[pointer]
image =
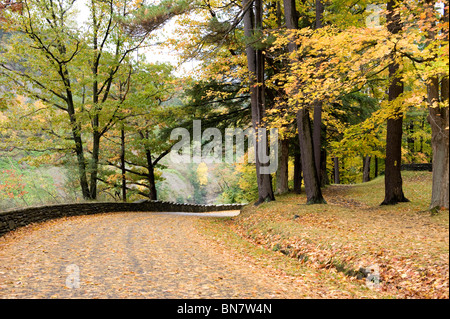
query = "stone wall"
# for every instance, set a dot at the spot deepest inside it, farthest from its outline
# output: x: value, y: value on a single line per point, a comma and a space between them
x: 12, y: 219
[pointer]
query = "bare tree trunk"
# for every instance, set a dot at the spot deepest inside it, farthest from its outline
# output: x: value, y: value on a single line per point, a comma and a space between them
x: 151, y: 176
x: 439, y: 121
x: 79, y: 151
x: 410, y: 140
x: 94, y: 163
x: 95, y: 99
x: 282, y: 172
x: 318, y: 127
x: 297, y: 172
x: 438, y: 118
x: 317, y: 136
x: 376, y: 167
x: 122, y: 164
x: 319, y: 14
x: 366, y: 169
x: 312, y: 183
x: 336, y: 171
x: 76, y: 134
x: 324, y: 179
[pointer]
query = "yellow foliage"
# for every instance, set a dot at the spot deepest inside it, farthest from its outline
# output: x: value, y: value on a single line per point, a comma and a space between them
x: 202, y: 173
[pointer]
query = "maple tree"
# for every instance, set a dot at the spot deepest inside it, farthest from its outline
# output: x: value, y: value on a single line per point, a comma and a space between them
x: 309, y: 164
x: 350, y: 58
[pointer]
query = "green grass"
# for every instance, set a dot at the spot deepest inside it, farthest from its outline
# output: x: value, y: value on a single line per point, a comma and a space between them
x: 407, y: 242
x: 416, y: 187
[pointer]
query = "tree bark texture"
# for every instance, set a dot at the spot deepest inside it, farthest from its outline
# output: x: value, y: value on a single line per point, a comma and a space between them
x: 438, y: 117
x: 439, y: 121
x: 317, y: 126
x: 393, y: 190
x: 255, y: 61
x: 282, y: 171
x: 122, y: 164
x: 337, y: 179
x: 366, y: 169
x: 312, y: 183
x: 151, y: 176
x: 297, y: 173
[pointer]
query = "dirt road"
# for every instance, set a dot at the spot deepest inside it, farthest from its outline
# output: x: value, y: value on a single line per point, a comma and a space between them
x: 127, y: 255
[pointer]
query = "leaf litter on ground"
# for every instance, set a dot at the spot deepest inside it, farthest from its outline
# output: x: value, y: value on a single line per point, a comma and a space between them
x: 406, y: 244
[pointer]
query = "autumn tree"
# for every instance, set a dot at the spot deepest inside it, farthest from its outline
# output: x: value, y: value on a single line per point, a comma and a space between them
x: 135, y: 147
x: 74, y: 70
x: 393, y: 178
x: 310, y: 174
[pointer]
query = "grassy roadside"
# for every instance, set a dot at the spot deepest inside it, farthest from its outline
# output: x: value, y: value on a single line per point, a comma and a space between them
x: 343, y: 240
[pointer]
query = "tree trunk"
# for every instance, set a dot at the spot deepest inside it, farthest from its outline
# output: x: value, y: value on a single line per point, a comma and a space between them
x: 366, y: 169
x: 376, y: 167
x: 392, y: 176
x: 76, y: 134
x: 422, y: 125
x: 410, y: 140
x: 336, y: 171
x: 318, y: 127
x: 151, y: 176
x: 94, y: 162
x: 439, y: 121
x: 255, y: 62
x: 81, y: 162
x: 282, y: 172
x: 122, y: 165
x: 317, y: 137
x: 95, y: 119
x: 312, y: 183
x: 438, y: 118
x: 297, y: 173
x: 393, y: 191
x: 319, y: 14
x: 324, y: 179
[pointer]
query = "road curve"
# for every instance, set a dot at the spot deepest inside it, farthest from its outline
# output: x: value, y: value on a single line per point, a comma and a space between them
x: 126, y: 255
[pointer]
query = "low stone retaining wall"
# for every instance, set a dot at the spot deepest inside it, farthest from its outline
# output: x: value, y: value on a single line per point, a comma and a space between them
x: 12, y: 219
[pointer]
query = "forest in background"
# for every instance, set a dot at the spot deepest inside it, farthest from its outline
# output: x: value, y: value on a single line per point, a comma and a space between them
x: 85, y: 116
